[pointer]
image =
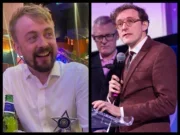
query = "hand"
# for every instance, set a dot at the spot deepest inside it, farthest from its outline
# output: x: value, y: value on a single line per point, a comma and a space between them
x: 114, y: 86
x: 106, y: 106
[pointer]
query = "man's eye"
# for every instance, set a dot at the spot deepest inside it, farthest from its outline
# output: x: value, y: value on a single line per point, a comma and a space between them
x: 120, y: 23
x: 32, y: 38
x: 99, y: 37
x: 109, y: 35
x: 130, y: 20
x: 49, y: 34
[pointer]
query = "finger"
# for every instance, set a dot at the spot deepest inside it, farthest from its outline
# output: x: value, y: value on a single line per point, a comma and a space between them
x: 121, y: 81
x: 113, y: 88
x: 114, y: 77
x: 115, y: 91
x: 114, y: 82
x: 94, y: 102
x: 97, y: 103
x: 101, y: 106
x: 104, y: 109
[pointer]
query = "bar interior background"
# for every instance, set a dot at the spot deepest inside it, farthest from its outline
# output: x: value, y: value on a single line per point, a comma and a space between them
x: 71, y: 29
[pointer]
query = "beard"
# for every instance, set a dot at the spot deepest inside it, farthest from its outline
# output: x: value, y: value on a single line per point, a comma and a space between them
x: 45, y: 66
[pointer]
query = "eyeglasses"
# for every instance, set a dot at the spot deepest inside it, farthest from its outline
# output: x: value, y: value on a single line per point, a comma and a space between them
x: 129, y: 22
x: 108, y: 37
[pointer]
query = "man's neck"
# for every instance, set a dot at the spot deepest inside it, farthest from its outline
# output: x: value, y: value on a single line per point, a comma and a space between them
x: 42, y: 76
x: 108, y: 57
x: 133, y: 45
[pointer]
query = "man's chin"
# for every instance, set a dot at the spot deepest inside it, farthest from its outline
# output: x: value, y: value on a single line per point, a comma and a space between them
x: 126, y: 41
x: 45, y: 66
x: 43, y: 69
x: 105, y: 54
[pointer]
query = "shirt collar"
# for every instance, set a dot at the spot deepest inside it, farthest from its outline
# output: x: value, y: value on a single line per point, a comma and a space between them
x: 56, y: 69
x: 138, y: 47
x: 54, y: 72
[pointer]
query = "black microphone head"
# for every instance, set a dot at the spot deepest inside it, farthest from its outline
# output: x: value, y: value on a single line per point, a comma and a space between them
x: 121, y: 57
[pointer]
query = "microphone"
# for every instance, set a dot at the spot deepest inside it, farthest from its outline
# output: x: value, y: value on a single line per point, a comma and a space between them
x: 119, y: 66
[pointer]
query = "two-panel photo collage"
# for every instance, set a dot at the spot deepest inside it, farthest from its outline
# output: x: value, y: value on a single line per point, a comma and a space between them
x: 90, y: 67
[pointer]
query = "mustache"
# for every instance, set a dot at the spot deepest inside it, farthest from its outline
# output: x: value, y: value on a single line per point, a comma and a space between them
x: 43, y: 49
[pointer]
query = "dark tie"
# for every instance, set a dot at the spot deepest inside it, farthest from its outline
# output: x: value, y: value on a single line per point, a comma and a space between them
x: 127, y: 63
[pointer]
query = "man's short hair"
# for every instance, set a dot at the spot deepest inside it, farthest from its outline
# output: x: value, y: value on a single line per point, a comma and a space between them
x: 31, y: 10
x: 141, y: 12
x: 103, y: 20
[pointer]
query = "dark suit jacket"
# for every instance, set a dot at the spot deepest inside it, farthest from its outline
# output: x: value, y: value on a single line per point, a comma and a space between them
x: 149, y: 90
x: 99, y: 83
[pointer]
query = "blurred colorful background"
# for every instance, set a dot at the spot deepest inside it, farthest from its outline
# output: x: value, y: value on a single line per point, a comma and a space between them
x: 71, y: 29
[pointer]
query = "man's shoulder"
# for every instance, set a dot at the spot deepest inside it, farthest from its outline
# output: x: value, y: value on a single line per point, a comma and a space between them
x: 155, y: 46
x: 160, y: 49
x: 95, y: 56
x: 72, y: 66
x: 14, y: 73
x: 158, y: 46
x: 18, y: 68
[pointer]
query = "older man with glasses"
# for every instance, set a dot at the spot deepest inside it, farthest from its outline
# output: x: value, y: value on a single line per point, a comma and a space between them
x: 105, y: 36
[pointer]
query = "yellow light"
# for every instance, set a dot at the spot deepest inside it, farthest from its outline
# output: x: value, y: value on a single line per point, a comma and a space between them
x: 87, y: 41
x: 76, y: 16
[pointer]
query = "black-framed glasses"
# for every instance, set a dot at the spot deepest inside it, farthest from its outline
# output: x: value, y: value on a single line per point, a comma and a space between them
x: 108, y: 37
x: 129, y: 22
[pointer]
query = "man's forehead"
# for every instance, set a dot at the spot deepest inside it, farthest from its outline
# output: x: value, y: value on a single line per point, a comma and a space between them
x: 103, y: 28
x: 128, y: 13
x: 31, y: 22
x: 27, y: 19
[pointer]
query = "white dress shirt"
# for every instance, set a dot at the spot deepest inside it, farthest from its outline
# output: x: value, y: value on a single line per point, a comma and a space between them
x: 36, y: 104
x: 137, y: 48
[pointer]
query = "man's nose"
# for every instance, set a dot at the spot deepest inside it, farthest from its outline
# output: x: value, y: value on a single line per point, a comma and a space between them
x: 42, y: 41
x: 104, y: 40
x: 124, y: 26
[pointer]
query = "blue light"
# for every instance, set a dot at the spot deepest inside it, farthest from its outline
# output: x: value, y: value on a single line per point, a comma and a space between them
x: 62, y: 59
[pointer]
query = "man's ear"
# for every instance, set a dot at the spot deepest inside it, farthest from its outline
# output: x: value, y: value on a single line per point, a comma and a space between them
x: 145, y: 25
x: 17, y: 48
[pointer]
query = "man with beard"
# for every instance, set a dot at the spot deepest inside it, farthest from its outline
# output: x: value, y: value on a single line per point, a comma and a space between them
x: 44, y: 90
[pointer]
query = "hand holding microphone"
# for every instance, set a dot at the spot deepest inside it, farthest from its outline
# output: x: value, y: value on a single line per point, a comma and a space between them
x: 114, y: 87
x: 117, y: 78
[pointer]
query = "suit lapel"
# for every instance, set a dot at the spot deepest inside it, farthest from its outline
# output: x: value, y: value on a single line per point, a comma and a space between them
x: 99, y: 70
x: 133, y: 66
x: 136, y: 61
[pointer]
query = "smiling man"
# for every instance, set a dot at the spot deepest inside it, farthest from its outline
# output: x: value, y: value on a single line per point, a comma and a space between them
x: 40, y: 87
